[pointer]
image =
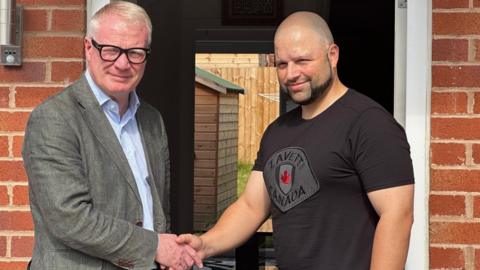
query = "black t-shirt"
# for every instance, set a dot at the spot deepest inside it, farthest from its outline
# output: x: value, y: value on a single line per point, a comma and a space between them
x: 318, y: 173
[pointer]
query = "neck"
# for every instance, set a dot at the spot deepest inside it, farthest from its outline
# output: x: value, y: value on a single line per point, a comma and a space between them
x: 122, y: 102
x: 323, y: 102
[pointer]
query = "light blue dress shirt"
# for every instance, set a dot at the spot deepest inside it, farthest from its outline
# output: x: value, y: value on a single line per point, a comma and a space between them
x: 126, y: 130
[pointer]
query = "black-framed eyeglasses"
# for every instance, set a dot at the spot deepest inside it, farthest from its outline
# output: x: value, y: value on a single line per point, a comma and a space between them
x: 111, y: 53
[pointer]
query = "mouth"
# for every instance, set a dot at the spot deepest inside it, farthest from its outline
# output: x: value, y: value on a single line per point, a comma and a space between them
x: 119, y: 77
x: 296, y: 87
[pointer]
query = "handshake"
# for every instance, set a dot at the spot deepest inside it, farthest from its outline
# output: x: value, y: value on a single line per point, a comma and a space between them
x: 179, y: 252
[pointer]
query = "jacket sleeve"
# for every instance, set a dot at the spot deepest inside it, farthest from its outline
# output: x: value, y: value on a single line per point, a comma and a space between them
x: 59, y: 191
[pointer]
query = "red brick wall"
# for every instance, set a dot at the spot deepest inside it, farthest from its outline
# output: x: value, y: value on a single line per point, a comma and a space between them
x: 455, y: 136
x: 53, y: 58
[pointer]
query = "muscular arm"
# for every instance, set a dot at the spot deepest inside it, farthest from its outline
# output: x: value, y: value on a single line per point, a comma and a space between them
x: 392, y: 235
x: 238, y: 222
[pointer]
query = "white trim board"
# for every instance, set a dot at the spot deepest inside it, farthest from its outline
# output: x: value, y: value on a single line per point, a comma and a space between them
x: 417, y: 122
x: 93, y: 6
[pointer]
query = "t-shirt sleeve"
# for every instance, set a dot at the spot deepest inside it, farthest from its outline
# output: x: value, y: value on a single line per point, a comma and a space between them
x: 380, y: 151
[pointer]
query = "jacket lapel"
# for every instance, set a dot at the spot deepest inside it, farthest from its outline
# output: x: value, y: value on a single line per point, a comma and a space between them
x: 147, y: 138
x: 103, y: 131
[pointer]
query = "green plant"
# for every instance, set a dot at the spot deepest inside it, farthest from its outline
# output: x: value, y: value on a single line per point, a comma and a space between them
x: 243, y: 171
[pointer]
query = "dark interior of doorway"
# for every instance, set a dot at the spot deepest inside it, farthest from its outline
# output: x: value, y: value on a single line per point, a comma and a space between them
x: 364, y: 31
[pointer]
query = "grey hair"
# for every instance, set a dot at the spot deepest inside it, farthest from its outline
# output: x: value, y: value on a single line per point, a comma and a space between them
x: 129, y: 11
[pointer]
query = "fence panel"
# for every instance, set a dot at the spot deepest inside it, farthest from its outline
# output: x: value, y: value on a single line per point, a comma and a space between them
x: 258, y: 107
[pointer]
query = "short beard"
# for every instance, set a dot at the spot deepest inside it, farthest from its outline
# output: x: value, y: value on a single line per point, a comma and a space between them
x: 317, y: 91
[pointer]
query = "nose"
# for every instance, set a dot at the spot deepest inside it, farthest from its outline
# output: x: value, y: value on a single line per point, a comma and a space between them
x: 292, y: 72
x: 122, y: 61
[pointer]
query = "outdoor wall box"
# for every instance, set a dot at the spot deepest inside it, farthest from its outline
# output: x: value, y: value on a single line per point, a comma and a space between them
x: 11, y: 25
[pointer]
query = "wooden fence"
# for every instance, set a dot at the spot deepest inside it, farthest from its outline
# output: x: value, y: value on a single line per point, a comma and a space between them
x: 258, y: 107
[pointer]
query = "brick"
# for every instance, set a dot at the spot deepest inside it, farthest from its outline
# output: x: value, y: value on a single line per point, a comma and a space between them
x: 455, y: 180
x: 459, y: 23
x: 3, y: 246
x: 455, y: 128
x: 14, y: 265
x: 477, y: 259
x: 12, y: 171
x: 476, y: 3
x: 13, y: 121
x: 3, y: 195
x: 449, y: 103
x: 447, y: 205
x: 22, y: 246
x: 455, y: 76
x: 20, y: 195
x: 449, y: 50
x: 476, y: 153
x: 449, y: 4
x: 17, y: 146
x: 4, y: 97
x: 16, y: 220
x: 476, y: 206
x: 35, y: 20
x: 446, y: 258
x: 35, y: 46
x: 68, y: 20
x: 477, y: 50
x: 66, y: 71
x: 29, y: 97
x: 476, y: 103
x: 3, y: 146
x: 454, y: 233
x: 28, y: 72
x: 447, y: 153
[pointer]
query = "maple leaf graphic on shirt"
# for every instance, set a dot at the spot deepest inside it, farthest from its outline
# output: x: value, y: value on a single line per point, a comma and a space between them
x: 286, y: 177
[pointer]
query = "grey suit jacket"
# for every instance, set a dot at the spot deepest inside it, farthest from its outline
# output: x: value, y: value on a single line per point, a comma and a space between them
x: 84, y: 201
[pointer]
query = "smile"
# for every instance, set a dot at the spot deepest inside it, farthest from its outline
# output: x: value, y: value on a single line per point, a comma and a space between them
x: 296, y: 87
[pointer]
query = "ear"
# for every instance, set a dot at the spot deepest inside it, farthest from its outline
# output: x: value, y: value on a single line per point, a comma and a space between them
x: 333, y: 54
x: 87, y: 44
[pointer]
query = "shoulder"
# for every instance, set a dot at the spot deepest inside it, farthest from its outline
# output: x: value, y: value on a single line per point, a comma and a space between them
x: 359, y: 102
x: 288, y: 117
x: 365, y: 111
x: 61, y: 103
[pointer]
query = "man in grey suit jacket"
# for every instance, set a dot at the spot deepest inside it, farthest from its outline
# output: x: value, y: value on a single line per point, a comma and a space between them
x: 97, y: 160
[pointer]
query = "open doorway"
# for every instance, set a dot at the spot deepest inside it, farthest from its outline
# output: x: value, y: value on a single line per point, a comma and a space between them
x: 229, y: 124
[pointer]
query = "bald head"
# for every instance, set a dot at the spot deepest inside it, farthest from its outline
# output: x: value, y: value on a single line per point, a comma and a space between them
x: 305, y: 23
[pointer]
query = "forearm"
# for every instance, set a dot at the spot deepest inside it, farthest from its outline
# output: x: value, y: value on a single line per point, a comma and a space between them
x: 390, y: 246
x: 233, y: 228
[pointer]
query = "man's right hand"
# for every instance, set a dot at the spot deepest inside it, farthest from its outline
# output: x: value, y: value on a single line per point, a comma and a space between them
x: 195, y: 242
x: 175, y: 255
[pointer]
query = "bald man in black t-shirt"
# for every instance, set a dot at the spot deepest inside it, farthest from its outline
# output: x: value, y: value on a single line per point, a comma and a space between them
x: 335, y: 174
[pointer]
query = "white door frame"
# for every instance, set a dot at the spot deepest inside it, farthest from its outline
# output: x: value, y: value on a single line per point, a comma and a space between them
x: 412, y: 109
x: 93, y: 6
